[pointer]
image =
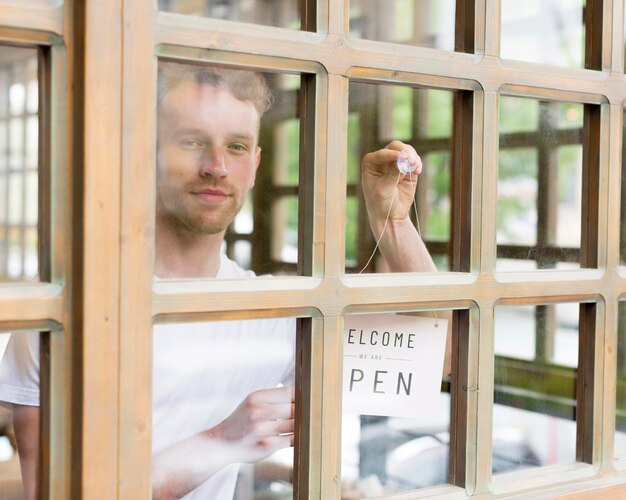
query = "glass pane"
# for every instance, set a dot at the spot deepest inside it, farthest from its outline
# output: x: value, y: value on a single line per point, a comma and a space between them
x: 19, y: 164
x: 281, y: 13
x: 19, y: 400
x: 227, y: 171
x: 403, y: 444
x: 535, y: 375
x: 420, y: 118
x: 222, y: 396
x: 428, y: 23
x: 620, y: 404
x: 539, y: 184
x: 543, y: 31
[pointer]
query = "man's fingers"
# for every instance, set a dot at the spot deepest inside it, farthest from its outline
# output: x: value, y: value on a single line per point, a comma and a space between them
x: 276, y: 395
x: 276, y: 442
x: 285, y: 426
x: 382, y: 159
x: 273, y: 428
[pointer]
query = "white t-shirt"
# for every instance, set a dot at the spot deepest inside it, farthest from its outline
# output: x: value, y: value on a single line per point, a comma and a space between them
x: 201, y: 372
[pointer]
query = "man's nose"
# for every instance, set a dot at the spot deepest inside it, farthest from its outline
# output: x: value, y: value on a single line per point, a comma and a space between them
x: 213, y: 163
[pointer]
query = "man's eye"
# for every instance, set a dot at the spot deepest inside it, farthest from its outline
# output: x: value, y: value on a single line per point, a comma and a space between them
x: 190, y: 144
x: 238, y: 147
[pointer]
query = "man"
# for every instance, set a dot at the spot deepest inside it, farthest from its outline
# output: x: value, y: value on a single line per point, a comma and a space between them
x: 210, y: 416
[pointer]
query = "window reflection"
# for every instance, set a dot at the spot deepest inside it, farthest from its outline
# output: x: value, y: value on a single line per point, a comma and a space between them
x: 223, y: 396
x: 401, y: 447
x: 543, y: 31
x: 539, y: 184
x: 421, y: 118
x: 227, y: 171
x: 19, y: 409
x: 428, y: 23
x: 536, y: 351
x: 19, y: 163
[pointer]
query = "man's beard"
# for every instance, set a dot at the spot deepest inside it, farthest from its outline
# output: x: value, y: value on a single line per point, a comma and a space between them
x: 182, y: 218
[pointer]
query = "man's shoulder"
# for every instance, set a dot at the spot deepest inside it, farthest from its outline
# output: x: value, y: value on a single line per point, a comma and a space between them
x: 230, y: 269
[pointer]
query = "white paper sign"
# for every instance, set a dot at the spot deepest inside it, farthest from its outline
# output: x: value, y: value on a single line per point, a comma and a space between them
x: 392, y: 365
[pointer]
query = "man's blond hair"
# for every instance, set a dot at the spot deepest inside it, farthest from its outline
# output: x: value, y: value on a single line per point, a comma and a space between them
x: 245, y: 85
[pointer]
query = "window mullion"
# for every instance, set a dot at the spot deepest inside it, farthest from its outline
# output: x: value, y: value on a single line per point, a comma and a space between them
x: 487, y: 37
x: 96, y: 234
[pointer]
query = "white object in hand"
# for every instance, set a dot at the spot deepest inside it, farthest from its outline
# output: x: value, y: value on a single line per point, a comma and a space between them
x: 403, y: 164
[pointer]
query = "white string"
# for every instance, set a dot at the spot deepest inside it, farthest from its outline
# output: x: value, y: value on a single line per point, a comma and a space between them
x: 417, y: 223
x: 393, y: 197
x: 419, y: 231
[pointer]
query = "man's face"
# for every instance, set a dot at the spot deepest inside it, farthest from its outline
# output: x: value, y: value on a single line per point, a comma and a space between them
x: 207, y: 157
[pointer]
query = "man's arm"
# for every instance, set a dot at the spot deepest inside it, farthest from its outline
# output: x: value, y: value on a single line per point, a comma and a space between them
x: 262, y: 424
x: 26, y: 425
x: 400, y: 244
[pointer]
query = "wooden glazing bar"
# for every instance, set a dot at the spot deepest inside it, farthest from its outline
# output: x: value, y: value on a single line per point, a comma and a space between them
x: 609, y: 375
x: 396, y: 77
x: 338, y: 16
x: 608, y: 166
x: 309, y: 369
x: 30, y: 302
x: 44, y: 184
x: 368, y: 120
x: 465, y: 25
x: 331, y: 414
x: 552, y: 95
x: 586, y: 387
x: 138, y: 178
x: 543, y: 479
x: 45, y: 422
x: 331, y: 295
x: 334, y: 165
x: 461, y: 182
x: 593, y: 21
x: 56, y: 143
x: 614, y: 186
x: 306, y: 189
x: 481, y: 444
x: 489, y: 176
x: 590, y: 188
x: 459, y: 396
x: 309, y: 12
x: 264, y: 224
x: 28, y: 37
x: 478, y: 131
x: 489, y: 23
x: 32, y: 17
x: 95, y: 265
x: 338, y: 55
x: 56, y: 423
x: 613, y: 35
x: 177, y: 53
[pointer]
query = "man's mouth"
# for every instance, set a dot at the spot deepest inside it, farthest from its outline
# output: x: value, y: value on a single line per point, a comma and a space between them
x: 210, y: 195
